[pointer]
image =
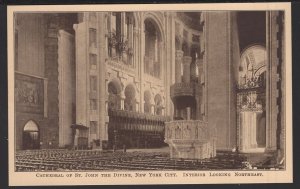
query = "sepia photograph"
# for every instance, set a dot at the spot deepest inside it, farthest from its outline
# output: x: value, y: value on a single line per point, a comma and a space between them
x: 186, y: 94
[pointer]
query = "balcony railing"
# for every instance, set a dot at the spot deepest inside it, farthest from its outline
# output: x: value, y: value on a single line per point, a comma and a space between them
x: 184, y: 89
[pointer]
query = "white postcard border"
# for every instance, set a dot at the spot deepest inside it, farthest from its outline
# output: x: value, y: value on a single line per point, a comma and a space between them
x: 35, y: 178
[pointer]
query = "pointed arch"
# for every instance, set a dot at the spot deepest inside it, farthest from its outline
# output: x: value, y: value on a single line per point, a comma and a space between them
x: 130, y: 99
x: 31, y: 138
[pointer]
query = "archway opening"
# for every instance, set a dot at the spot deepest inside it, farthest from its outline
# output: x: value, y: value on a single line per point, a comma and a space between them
x: 130, y: 101
x: 252, y: 100
x: 158, y: 104
x: 31, y: 138
x: 153, y: 43
x: 114, y: 99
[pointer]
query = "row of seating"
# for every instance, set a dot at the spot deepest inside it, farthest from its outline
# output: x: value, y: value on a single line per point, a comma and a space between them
x: 66, y: 160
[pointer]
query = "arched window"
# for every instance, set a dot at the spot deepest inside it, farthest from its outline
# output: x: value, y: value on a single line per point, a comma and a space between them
x: 114, y: 100
x: 252, y: 67
x: 147, y: 102
x: 152, y: 49
x: 120, y: 38
x: 130, y: 101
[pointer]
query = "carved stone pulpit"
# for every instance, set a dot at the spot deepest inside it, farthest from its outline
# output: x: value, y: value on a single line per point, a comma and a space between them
x: 190, y: 139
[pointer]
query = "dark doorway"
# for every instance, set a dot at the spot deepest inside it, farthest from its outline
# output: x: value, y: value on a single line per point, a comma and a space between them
x: 31, y: 138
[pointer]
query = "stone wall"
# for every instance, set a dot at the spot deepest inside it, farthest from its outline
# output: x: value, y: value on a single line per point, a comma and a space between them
x: 37, y: 58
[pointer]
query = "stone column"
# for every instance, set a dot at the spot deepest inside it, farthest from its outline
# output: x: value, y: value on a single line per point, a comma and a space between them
x: 178, y: 62
x: 188, y: 113
x: 187, y: 60
x: 131, y: 36
x: 272, y: 92
x: 253, y: 130
x: 135, y: 47
x: 241, y: 133
x: 103, y: 117
x: 248, y: 131
x: 131, y: 33
x: 199, y: 97
x: 122, y: 97
x: 123, y: 24
x: 152, y: 105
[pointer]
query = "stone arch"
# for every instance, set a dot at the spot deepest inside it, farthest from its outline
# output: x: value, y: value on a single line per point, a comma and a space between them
x: 247, y: 64
x: 130, y: 98
x: 31, y: 126
x: 153, y: 48
x: 158, y: 104
x: 116, y: 83
x: 252, y: 77
x: 114, y: 89
x: 152, y: 16
x: 252, y: 45
x: 31, y: 138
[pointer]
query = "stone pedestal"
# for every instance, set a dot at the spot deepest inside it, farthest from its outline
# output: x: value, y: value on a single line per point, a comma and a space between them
x: 190, y: 139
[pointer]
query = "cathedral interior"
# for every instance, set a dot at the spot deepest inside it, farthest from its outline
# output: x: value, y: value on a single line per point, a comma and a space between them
x: 197, y: 83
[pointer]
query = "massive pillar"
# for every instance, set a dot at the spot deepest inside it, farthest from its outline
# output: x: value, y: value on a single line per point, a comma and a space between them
x: 221, y: 59
x: 66, y: 86
x: 103, y: 117
x: 90, y: 76
x: 275, y: 103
